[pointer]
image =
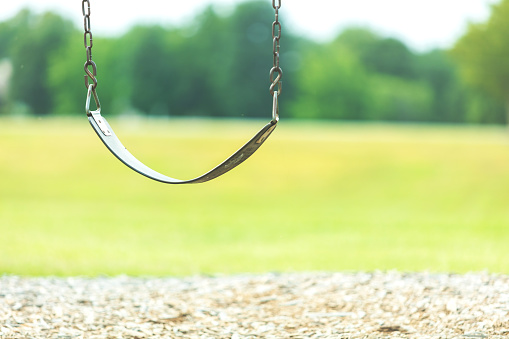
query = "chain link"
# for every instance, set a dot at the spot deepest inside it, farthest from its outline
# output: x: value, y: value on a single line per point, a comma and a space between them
x: 89, y: 43
x: 276, y: 73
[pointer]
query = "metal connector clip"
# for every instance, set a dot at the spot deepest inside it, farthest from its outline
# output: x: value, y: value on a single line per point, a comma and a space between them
x: 96, y: 115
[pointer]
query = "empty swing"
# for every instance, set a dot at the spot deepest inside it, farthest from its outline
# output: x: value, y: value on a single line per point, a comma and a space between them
x: 110, y: 140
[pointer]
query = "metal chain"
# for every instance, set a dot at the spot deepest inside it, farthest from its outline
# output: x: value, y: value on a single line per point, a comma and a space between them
x: 89, y: 43
x: 276, y: 36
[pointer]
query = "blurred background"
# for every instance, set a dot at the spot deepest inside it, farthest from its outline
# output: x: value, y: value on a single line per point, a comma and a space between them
x: 392, y: 155
x: 363, y: 61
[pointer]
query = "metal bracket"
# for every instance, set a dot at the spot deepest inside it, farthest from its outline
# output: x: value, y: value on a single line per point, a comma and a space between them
x: 275, y: 108
x: 96, y: 115
x: 100, y: 122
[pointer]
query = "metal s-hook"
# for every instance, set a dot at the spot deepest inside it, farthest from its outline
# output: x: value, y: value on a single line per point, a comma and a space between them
x: 276, y: 82
x: 92, y: 75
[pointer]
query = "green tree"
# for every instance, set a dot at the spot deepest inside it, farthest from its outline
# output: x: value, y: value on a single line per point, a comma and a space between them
x: 151, y: 69
x: 440, y: 72
x: 332, y: 85
x: 358, y: 39
x: 251, y: 59
x: 399, y: 99
x: 206, y: 48
x: 10, y: 31
x: 381, y: 55
x: 65, y: 74
x: 482, y: 54
x: 390, y: 56
x: 38, y: 39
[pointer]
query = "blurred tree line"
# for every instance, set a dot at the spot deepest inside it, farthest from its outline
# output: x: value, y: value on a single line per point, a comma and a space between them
x: 219, y: 65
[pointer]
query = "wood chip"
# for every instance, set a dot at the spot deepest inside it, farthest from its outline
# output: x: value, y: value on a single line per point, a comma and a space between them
x: 307, y: 305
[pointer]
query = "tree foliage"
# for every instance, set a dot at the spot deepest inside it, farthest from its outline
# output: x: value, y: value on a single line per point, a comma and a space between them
x: 218, y: 65
x: 37, y: 40
x: 482, y: 56
x: 332, y: 85
x: 364, y: 76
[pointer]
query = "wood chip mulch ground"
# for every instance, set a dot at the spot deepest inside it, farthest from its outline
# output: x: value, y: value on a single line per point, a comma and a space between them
x: 300, y: 305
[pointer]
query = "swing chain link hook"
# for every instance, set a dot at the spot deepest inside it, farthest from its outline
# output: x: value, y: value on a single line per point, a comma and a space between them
x: 276, y: 69
x: 89, y: 43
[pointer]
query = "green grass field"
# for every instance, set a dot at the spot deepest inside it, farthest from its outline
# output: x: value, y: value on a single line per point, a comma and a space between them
x: 317, y: 196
